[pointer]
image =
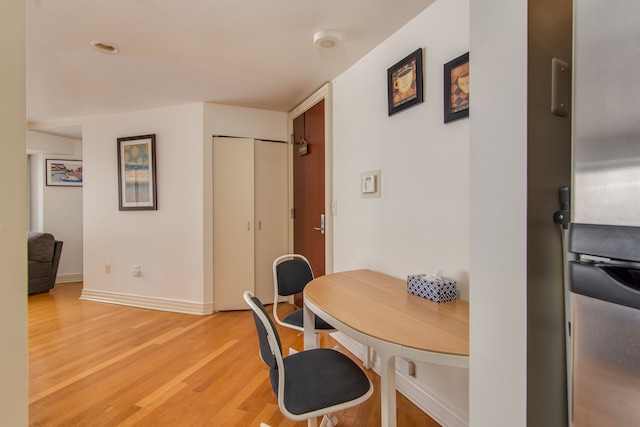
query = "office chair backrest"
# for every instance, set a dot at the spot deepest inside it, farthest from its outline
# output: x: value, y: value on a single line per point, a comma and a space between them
x: 267, y: 338
x: 292, y: 276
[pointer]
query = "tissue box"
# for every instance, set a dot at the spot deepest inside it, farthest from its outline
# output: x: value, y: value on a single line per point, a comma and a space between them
x: 436, y: 289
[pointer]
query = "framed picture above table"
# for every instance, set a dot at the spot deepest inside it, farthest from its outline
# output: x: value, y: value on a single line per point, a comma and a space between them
x: 456, y: 88
x: 404, y: 83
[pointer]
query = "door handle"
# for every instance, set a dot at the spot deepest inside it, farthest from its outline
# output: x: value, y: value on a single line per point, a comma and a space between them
x: 321, y: 228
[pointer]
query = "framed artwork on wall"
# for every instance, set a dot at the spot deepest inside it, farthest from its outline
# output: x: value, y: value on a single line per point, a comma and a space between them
x: 404, y: 83
x: 456, y: 88
x: 63, y: 172
x: 137, y: 189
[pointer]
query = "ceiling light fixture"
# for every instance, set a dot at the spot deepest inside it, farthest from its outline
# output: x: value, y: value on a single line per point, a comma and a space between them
x: 327, y: 39
x: 105, y: 47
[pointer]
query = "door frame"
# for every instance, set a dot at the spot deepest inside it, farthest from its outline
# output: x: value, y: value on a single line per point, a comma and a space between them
x: 323, y: 93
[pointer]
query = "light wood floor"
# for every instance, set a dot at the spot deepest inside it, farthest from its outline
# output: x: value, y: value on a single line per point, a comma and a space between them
x: 93, y: 364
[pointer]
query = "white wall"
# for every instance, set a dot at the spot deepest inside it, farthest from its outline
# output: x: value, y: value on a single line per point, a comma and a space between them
x: 420, y: 223
x: 167, y: 243
x: 41, y: 142
x: 56, y: 210
x: 173, y: 245
x: 498, y: 255
x: 36, y: 192
x: 13, y: 216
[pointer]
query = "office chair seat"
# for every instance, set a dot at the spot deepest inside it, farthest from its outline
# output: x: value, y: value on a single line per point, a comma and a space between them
x: 319, y: 379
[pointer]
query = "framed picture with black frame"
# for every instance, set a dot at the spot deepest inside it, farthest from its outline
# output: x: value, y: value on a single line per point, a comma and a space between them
x: 456, y: 88
x: 404, y: 83
x: 137, y: 189
x: 63, y: 172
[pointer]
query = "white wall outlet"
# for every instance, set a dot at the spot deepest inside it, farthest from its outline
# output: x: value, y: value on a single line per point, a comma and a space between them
x: 107, y: 268
x: 136, y: 271
x: 412, y: 369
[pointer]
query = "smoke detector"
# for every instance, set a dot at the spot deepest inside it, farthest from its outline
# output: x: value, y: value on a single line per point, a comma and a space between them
x: 327, y: 39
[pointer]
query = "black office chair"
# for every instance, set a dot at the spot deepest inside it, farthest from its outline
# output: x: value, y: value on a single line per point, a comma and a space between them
x: 310, y: 383
x: 291, y: 273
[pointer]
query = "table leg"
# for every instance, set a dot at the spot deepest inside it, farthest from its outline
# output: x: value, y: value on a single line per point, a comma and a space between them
x: 311, y: 339
x: 387, y: 388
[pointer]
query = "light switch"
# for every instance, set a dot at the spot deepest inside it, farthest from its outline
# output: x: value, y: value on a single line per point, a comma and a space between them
x: 370, y: 184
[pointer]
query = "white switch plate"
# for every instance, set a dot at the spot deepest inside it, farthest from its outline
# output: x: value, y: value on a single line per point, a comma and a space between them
x: 370, y: 183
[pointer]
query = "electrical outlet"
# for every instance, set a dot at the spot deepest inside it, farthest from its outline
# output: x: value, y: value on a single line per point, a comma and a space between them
x: 107, y: 268
x: 412, y: 369
x: 136, y: 271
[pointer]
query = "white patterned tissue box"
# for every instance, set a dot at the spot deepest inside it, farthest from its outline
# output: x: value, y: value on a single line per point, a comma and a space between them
x: 433, y: 288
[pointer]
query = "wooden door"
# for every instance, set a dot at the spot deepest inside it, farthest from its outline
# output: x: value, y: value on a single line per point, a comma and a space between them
x: 233, y: 219
x: 309, y: 187
x: 271, y: 213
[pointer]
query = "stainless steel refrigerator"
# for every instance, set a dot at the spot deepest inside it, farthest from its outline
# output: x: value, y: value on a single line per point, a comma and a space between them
x: 605, y: 229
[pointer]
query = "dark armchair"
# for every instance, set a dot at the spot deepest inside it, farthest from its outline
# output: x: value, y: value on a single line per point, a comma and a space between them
x: 44, y: 255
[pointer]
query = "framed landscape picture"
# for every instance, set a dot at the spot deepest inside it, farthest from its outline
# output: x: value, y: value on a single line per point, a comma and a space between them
x: 137, y: 173
x: 404, y: 83
x: 456, y: 88
x: 64, y: 173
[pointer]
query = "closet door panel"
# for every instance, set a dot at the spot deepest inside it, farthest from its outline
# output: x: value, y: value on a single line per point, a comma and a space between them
x: 233, y: 222
x: 271, y: 213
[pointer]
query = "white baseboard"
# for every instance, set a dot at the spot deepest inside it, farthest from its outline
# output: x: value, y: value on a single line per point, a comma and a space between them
x: 69, y: 278
x: 417, y: 392
x: 185, y: 307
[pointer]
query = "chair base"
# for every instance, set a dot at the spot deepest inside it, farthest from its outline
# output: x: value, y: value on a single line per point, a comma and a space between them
x: 329, y: 420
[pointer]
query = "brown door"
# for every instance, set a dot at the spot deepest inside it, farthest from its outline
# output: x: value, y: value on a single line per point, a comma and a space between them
x: 308, y: 187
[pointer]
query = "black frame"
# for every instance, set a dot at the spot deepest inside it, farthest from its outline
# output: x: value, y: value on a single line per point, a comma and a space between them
x: 151, y: 201
x: 76, y: 168
x: 414, y: 92
x: 451, y: 113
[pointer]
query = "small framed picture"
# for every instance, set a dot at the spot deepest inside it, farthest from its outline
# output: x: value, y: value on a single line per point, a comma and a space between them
x: 456, y: 88
x: 64, y: 173
x: 404, y: 83
x: 137, y: 173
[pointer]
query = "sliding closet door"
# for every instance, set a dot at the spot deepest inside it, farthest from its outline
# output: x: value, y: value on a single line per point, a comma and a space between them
x: 271, y: 212
x: 233, y: 221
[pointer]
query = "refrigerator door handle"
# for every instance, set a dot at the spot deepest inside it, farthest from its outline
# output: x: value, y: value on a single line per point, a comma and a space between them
x: 616, y: 284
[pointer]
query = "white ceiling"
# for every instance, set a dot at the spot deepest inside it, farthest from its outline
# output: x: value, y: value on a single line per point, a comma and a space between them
x: 250, y: 53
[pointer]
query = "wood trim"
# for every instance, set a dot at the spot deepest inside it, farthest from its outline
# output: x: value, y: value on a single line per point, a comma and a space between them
x: 326, y: 93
